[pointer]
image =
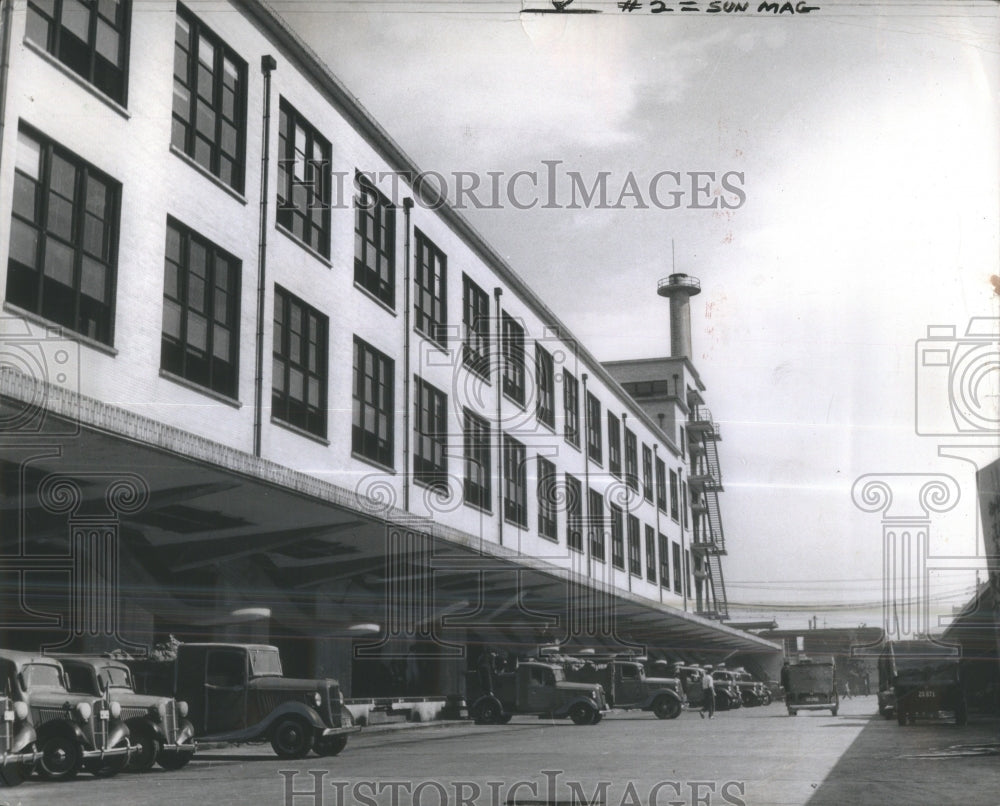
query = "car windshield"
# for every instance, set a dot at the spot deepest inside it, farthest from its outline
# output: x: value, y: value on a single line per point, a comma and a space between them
x: 926, y: 670
x: 42, y: 675
x: 265, y: 663
x: 116, y: 677
x: 809, y: 677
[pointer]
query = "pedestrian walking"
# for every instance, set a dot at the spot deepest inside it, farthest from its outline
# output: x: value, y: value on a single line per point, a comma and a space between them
x: 707, y: 693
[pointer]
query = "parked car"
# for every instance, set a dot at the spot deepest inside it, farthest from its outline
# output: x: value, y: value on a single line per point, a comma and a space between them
x: 17, y: 743
x: 535, y: 688
x: 810, y: 685
x: 74, y: 731
x: 727, y: 690
x: 925, y: 680
x: 627, y: 687
x: 238, y: 693
x: 752, y: 692
x: 158, y: 728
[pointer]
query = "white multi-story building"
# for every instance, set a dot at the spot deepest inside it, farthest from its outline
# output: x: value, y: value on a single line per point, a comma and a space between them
x: 258, y: 382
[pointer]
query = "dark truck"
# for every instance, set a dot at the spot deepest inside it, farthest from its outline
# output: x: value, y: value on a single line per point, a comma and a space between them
x: 540, y: 689
x: 158, y: 728
x: 627, y: 687
x: 810, y: 685
x: 924, y: 680
x: 237, y: 693
x: 17, y: 743
x: 74, y: 731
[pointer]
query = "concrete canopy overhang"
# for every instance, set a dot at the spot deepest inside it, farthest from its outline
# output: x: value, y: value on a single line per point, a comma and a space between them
x: 337, y: 561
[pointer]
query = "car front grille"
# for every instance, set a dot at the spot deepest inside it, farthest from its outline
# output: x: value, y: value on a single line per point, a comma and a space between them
x: 132, y: 711
x: 170, y: 722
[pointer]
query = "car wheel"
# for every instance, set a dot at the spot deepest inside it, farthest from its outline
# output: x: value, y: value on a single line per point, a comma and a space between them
x: 768, y: 699
x: 60, y: 758
x: 488, y: 713
x: 666, y: 708
x: 330, y: 747
x: 793, y: 712
x: 503, y: 719
x: 291, y: 738
x: 147, y: 745
x: 582, y: 714
x: 172, y: 760
x: 598, y: 716
x: 107, y: 767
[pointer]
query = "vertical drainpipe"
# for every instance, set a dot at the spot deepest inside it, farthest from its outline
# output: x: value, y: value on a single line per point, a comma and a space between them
x: 628, y: 545
x: 497, y: 292
x: 656, y: 543
x: 586, y: 471
x: 5, y: 23
x: 684, y: 560
x: 267, y: 65
x: 407, y: 209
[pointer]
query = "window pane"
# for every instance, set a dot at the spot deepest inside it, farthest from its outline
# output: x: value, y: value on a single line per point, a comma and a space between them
x: 29, y: 153
x: 93, y: 279
x: 59, y: 262
x: 76, y: 18
x: 171, y: 319
x: 62, y: 176
x: 108, y: 43
x: 23, y: 243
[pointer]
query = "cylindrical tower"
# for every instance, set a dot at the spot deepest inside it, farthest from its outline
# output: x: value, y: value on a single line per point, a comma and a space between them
x: 679, y: 288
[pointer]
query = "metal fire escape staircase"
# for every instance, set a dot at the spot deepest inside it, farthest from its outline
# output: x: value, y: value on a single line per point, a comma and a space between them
x: 706, y: 479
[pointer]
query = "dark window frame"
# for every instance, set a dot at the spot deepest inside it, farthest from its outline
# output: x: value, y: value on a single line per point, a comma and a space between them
x: 547, y: 495
x: 312, y: 364
x: 634, y: 547
x: 661, y: 485
x: 614, y: 445
x: 574, y: 513
x: 617, y: 536
x: 35, y: 210
x: 476, y: 320
x: 631, y: 460
x: 185, y: 122
x: 371, y: 412
x: 674, y: 511
x: 647, y: 472
x: 430, y: 293
x: 598, y: 547
x: 430, y: 434
x: 513, y: 359
x: 70, y: 50
x: 303, y: 225
x: 515, y: 482
x: 678, y: 571
x: 375, y: 242
x: 665, y: 562
x: 545, y: 387
x: 650, y: 553
x: 477, y: 486
x: 176, y: 356
x: 595, y: 437
x: 571, y: 409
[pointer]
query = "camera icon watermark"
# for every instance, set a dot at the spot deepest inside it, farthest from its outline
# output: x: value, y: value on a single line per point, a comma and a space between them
x: 958, y: 380
x: 38, y: 365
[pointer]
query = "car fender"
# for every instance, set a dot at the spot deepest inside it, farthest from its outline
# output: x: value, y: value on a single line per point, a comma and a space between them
x: 61, y: 727
x: 137, y: 722
x: 118, y: 733
x: 341, y: 715
x: 484, y: 698
x: 24, y: 737
x: 185, y: 732
x: 566, y: 707
x: 292, y: 708
x: 655, y: 695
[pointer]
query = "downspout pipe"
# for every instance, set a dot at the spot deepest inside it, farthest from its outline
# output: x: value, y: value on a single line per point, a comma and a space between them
x: 627, y: 537
x: 407, y: 211
x: 656, y: 543
x: 6, y: 20
x: 497, y: 293
x: 267, y: 65
x: 586, y: 474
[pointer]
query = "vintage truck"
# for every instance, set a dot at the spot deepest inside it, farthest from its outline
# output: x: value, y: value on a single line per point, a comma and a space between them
x: 158, y: 728
x: 810, y: 685
x: 238, y: 693
x: 628, y: 688
x: 74, y: 731
x: 923, y: 680
x: 535, y: 688
x: 17, y: 743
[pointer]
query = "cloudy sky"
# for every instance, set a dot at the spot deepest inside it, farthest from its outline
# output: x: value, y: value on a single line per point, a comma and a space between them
x: 867, y: 140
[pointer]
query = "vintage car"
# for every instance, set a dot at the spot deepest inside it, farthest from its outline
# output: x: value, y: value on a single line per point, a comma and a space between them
x: 158, y: 728
x: 535, y: 688
x: 727, y: 690
x: 627, y: 687
x: 752, y: 692
x: 238, y: 693
x: 17, y: 743
x: 74, y: 731
x: 810, y: 685
x: 924, y: 679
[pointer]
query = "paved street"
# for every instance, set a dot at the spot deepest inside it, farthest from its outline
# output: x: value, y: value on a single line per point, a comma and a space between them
x: 759, y: 757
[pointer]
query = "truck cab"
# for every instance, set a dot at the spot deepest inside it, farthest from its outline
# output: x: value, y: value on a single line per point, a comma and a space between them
x: 535, y: 688
x: 238, y: 693
x: 158, y: 728
x: 924, y: 680
x: 727, y: 690
x: 810, y: 685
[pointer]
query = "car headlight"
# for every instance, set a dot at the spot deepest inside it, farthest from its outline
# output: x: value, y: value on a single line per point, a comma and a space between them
x: 182, y: 709
x: 116, y: 709
x: 317, y: 699
x: 84, y: 710
x: 21, y: 710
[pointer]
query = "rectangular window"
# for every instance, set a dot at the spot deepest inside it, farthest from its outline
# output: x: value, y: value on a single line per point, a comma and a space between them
x: 596, y: 523
x: 673, y: 495
x: 209, y: 107
x: 63, y: 238
x: 647, y: 473
x: 684, y: 504
x: 571, y: 408
x: 545, y: 387
x: 431, y: 283
x: 478, y: 471
x: 687, y: 572
x: 617, y: 537
x: 372, y: 429
x: 650, y: 554
x: 430, y: 435
x: 665, y: 562
x: 634, y: 551
x: 547, y: 496
x: 661, y: 485
x: 513, y: 360
x: 303, y: 180
x: 631, y: 461
x: 594, y: 447
x: 201, y: 311
x: 476, y: 319
x: 375, y: 242
x: 677, y: 567
x: 90, y: 38
x: 574, y: 513
x: 614, y: 446
x: 515, y: 482
x: 299, y: 368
